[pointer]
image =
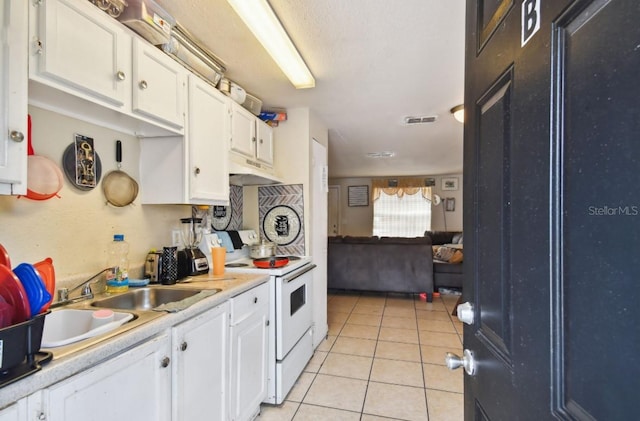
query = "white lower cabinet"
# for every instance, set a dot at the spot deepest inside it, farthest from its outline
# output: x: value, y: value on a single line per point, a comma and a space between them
x: 15, y: 412
x: 212, y: 366
x: 135, y: 385
x: 200, y: 369
x: 249, y: 351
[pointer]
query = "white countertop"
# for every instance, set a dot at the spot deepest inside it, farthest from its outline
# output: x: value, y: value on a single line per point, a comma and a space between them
x: 61, y: 368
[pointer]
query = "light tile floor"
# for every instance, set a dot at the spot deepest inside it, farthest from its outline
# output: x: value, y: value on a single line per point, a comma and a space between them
x: 383, y: 360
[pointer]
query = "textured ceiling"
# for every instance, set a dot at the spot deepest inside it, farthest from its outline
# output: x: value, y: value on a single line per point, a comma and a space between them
x: 374, y: 61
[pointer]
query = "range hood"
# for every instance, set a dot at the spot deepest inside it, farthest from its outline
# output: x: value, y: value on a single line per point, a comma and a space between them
x: 251, y: 174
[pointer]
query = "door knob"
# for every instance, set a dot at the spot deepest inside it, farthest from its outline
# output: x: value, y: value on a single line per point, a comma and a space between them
x: 16, y: 136
x: 467, y: 361
x: 466, y: 313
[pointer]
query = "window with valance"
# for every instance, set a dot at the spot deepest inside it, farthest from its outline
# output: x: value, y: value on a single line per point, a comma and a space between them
x: 401, y: 207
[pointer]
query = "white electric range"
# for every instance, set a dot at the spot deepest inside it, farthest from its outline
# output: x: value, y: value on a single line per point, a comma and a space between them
x: 290, y: 337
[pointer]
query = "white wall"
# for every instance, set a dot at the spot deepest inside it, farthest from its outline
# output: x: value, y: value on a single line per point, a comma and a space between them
x: 358, y: 220
x: 74, y: 230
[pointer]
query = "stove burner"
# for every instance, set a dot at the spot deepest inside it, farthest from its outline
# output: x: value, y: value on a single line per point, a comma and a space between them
x: 236, y: 265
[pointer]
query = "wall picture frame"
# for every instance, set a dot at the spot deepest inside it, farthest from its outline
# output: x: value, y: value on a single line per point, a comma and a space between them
x: 358, y: 196
x: 449, y: 183
x: 450, y: 204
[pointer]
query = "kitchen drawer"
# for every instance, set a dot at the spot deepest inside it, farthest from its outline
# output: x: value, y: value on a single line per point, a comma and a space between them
x: 249, y: 302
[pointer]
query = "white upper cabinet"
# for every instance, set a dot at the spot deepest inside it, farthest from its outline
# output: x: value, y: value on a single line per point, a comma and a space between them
x: 158, y: 84
x: 13, y: 95
x: 192, y: 169
x: 78, y: 49
x: 243, y: 131
x: 264, y: 145
x: 85, y: 64
x: 251, y: 139
x: 208, y: 138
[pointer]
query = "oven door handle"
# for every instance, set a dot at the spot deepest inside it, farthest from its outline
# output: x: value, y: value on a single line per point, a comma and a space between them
x: 294, y: 275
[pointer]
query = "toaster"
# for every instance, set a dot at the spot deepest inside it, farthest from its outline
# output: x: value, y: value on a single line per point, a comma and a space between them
x: 153, y: 267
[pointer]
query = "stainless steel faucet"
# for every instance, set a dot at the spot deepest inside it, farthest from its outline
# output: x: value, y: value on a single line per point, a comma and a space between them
x: 63, y: 293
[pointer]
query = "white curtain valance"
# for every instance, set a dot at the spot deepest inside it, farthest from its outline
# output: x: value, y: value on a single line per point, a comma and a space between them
x: 403, y: 186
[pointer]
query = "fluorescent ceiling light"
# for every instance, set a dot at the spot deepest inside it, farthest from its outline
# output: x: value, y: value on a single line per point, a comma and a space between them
x: 263, y: 22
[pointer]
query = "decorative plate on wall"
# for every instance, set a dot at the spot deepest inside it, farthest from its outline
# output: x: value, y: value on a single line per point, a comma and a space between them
x: 220, y: 218
x: 281, y: 225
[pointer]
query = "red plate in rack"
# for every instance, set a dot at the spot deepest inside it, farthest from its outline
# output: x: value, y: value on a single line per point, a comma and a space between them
x: 4, y: 257
x: 14, y: 293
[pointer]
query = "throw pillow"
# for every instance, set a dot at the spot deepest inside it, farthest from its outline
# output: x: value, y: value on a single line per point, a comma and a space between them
x: 457, y: 257
x: 447, y: 254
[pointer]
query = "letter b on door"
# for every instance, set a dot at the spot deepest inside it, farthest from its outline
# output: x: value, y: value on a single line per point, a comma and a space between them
x: 530, y: 19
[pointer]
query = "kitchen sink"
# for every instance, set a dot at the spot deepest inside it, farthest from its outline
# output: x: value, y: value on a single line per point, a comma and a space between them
x: 66, y: 326
x: 145, y: 298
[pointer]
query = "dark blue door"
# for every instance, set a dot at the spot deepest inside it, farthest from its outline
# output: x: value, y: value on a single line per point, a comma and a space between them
x: 552, y: 209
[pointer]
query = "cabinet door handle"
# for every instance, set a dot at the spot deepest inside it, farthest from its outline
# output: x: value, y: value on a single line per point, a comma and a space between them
x: 143, y: 84
x: 261, y: 141
x: 165, y: 362
x: 196, y: 170
x: 255, y: 300
x: 42, y: 416
x: 268, y: 322
x: 253, y: 139
x: 16, y: 136
x: 183, y: 346
x: 120, y: 75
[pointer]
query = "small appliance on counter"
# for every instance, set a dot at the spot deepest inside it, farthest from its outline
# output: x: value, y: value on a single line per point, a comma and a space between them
x: 191, y: 260
x: 153, y: 266
x: 209, y: 239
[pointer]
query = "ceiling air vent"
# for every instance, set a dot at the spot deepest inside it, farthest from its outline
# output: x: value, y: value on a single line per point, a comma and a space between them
x: 384, y: 154
x: 420, y: 120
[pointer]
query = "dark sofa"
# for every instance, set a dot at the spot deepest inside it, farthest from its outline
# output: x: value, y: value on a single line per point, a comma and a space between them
x: 387, y: 264
x: 446, y: 275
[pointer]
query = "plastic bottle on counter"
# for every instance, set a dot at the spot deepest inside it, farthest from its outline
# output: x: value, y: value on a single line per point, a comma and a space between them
x: 118, y: 261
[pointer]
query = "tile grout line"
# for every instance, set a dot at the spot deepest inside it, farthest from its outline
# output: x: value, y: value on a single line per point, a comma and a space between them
x: 366, y: 390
